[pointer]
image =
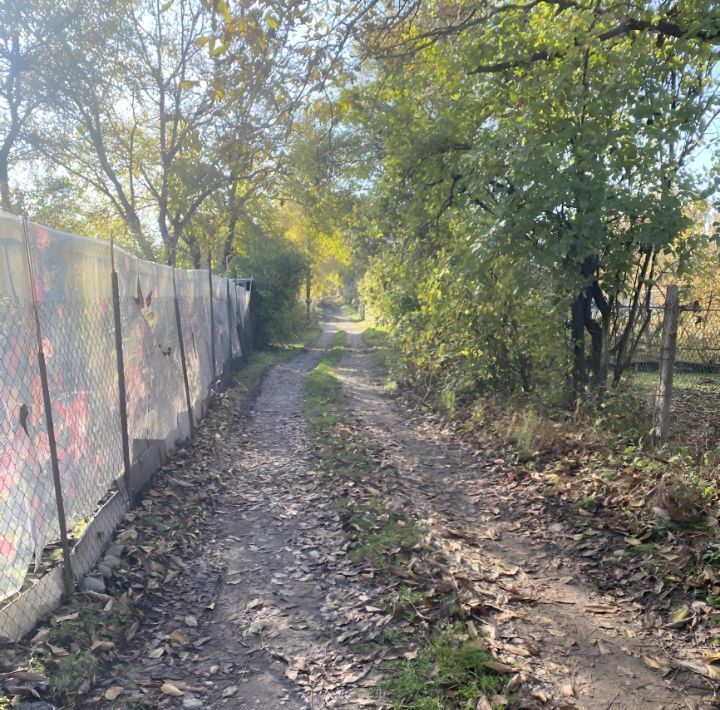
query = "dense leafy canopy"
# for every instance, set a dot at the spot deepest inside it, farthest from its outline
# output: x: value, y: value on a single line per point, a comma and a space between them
x: 507, y: 180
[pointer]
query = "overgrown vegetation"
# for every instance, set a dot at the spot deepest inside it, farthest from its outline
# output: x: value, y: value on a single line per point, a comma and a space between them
x: 450, y: 664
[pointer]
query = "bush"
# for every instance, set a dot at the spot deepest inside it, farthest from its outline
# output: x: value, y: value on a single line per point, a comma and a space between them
x: 279, y: 271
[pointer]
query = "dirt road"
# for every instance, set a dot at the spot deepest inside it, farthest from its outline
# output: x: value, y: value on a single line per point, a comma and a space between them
x: 270, y: 613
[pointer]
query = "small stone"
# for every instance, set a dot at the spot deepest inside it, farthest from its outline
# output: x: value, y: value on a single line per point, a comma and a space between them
x: 115, y: 550
x: 92, y: 584
x: 112, y: 561
x: 190, y: 702
x: 104, y: 570
x: 229, y: 691
x: 213, y: 670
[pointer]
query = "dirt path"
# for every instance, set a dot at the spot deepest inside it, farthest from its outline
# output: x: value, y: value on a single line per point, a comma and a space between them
x: 272, y: 614
x: 254, y: 621
x: 580, y: 649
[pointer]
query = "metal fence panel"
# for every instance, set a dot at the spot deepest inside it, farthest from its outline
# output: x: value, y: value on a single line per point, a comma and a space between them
x: 72, y: 288
x: 70, y: 292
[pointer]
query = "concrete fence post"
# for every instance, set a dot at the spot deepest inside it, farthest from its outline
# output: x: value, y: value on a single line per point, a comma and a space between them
x: 668, y: 348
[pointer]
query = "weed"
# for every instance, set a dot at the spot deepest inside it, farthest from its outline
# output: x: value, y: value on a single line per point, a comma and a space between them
x: 448, y: 672
x: 586, y: 503
x: 387, y: 359
x: 404, y: 601
x: 712, y: 555
x: 70, y: 671
x: 525, y: 435
x: 380, y: 543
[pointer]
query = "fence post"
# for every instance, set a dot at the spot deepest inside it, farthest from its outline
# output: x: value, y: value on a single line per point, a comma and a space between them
x: 45, y: 386
x: 120, y: 359
x: 668, y: 347
x: 183, y: 362
x: 212, y: 317
x: 230, y: 320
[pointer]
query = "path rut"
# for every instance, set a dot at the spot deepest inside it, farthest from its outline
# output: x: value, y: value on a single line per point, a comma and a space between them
x: 581, y: 648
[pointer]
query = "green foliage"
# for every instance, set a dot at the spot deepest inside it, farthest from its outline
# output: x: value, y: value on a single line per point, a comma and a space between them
x: 448, y: 672
x: 529, y: 164
x: 278, y: 269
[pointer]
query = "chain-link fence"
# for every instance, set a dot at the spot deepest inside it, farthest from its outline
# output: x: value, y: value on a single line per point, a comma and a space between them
x: 696, y: 371
x: 76, y: 410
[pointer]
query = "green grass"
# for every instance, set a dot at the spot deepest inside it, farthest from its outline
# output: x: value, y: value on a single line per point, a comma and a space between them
x: 709, y: 381
x: 448, y: 672
x: 381, y: 538
x: 77, y: 636
x: 381, y: 543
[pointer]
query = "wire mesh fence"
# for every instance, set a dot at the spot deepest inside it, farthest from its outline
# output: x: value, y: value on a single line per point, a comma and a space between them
x: 698, y: 340
x: 58, y: 320
x: 696, y: 371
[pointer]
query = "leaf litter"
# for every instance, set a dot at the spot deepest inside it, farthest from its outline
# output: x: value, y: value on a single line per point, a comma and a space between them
x: 260, y: 577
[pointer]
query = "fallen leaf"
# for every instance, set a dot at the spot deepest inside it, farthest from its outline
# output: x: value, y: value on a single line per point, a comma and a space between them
x: 114, y: 692
x: 179, y: 637
x: 170, y: 689
x: 656, y: 662
x: 67, y: 617
x: 702, y: 669
x: 499, y: 667
x: 680, y: 616
x: 513, y: 684
x: 601, y: 609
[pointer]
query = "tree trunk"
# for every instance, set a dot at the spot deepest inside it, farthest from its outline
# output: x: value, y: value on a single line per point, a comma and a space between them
x: 5, y: 182
x: 308, y: 294
x: 577, y: 333
x: 621, y: 359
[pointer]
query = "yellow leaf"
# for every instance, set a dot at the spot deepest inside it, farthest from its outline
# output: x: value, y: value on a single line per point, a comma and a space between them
x: 223, y: 9
x: 179, y: 636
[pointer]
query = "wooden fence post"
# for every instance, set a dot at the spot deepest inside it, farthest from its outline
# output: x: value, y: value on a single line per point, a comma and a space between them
x: 230, y: 320
x: 120, y: 360
x: 52, y: 443
x: 183, y: 361
x: 668, y: 347
x: 212, y: 317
